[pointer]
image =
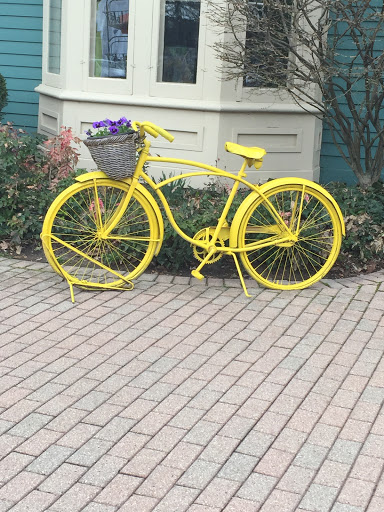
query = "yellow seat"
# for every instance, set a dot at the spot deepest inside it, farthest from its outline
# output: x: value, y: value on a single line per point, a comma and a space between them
x: 244, y: 151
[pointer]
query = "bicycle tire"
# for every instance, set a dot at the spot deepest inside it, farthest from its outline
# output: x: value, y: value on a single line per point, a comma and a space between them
x: 73, y: 220
x: 309, y: 213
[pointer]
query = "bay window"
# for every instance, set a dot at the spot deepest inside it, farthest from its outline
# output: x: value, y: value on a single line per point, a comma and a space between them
x: 179, y: 41
x: 109, y: 39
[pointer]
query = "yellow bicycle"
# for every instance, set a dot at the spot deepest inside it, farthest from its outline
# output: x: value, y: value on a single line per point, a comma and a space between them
x: 103, y: 233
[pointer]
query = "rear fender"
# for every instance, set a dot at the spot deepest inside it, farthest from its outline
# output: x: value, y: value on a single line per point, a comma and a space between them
x: 266, y: 187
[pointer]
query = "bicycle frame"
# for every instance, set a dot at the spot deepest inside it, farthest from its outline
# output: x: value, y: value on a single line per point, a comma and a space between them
x: 207, y: 170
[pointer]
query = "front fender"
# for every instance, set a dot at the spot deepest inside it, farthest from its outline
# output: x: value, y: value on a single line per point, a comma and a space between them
x: 88, y: 176
x: 266, y: 187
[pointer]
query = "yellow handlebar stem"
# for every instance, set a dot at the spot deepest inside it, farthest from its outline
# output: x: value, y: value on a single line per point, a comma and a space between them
x: 152, y: 129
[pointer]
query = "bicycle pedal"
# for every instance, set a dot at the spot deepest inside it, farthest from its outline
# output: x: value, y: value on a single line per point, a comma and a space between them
x: 196, y: 273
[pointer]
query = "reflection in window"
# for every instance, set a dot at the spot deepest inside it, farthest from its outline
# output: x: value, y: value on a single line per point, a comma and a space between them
x: 109, y: 39
x: 179, y: 40
x: 265, y: 70
x: 54, y: 41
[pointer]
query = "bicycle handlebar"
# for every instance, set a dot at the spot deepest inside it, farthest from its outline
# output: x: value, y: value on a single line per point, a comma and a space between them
x: 152, y: 129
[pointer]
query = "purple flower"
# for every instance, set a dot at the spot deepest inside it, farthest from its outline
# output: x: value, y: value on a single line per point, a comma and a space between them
x: 121, y: 121
x: 129, y: 124
x: 98, y: 124
x: 88, y: 132
x: 113, y: 129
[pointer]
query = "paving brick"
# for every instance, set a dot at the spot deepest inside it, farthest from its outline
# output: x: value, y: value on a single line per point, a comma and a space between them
x: 257, y: 487
x: 274, y: 463
x: 376, y: 504
x: 310, y: 456
x: 12, y: 464
x: 290, y: 440
x: 90, y: 452
x: 319, y: 498
x: 129, y: 445
x: 78, y: 435
x: 36, y: 501
x: 296, y: 479
x: 344, y: 451
x: 367, y: 468
x: 179, y: 498
x: 62, y: 479
x: 143, y: 463
x: 98, y: 507
x: 76, y: 498
x: 20, y: 486
x: 182, y: 456
x: 50, y: 459
x: 103, y: 471
x: 159, y: 482
x: 199, y: 474
x: 67, y: 419
x: 139, y: 503
x: 39, y: 442
x: 282, y: 501
x: 374, y: 446
x: 356, y: 492
x: 240, y: 505
x: 218, y: 493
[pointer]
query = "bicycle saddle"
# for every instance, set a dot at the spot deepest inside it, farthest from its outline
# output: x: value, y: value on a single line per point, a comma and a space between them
x: 252, y: 153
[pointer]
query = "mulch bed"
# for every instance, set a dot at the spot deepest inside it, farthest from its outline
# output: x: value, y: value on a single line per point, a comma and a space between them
x: 224, y: 269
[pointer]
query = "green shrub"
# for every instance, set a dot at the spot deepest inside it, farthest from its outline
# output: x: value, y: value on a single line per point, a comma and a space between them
x: 3, y: 94
x: 362, y: 248
x: 30, y: 179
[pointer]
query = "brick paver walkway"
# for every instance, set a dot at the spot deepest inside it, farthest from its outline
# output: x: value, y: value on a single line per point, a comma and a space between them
x: 184, y: 397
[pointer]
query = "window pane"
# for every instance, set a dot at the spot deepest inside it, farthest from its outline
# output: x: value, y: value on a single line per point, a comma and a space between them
x: 109, y: 38
x: 54, y: 43
x: 179, y: 41
x: 265, y: 69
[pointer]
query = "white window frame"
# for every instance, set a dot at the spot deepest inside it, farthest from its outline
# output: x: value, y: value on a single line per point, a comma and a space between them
x: 173, y: 89
x: 103, y: 84
x: 52, y: 79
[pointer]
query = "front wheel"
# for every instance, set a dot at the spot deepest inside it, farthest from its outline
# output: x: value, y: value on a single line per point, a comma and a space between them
x: 311, y: 216
x: 75, y: 243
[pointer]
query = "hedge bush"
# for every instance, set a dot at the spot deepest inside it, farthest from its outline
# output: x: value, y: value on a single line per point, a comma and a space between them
x: 32, y: 172
x: 362, y: 249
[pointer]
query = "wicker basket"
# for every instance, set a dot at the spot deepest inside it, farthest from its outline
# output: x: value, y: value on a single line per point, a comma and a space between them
x: 114, y: 154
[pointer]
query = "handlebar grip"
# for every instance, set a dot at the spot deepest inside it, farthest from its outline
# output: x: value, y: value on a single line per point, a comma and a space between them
x: 165, y: 134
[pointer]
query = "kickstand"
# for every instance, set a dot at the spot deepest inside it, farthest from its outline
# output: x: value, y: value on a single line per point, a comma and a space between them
x: 240, y: 274
x: 72, y: 293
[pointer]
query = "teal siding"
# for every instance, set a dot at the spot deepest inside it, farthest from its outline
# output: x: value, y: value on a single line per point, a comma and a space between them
x: 332, y: 165
x: 21, y: 28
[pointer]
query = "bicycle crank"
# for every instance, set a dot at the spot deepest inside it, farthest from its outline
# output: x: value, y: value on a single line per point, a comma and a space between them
x: 206, y: 235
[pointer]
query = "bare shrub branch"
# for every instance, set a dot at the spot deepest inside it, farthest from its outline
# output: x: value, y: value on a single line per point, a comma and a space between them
x: 327, y: 54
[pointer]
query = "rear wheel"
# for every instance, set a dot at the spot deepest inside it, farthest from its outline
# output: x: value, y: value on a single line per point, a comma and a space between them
x: 311, y: 216
x: 73, y: 238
